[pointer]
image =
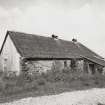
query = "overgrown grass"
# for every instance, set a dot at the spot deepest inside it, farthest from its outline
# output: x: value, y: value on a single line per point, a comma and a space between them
x: 52, y: 82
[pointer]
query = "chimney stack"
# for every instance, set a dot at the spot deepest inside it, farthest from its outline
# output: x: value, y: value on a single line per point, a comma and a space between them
x: 54, y: 37
x: 74, y: 40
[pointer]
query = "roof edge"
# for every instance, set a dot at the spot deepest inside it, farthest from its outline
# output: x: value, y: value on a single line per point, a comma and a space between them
x: 92, y: 60
x: 7, y: 33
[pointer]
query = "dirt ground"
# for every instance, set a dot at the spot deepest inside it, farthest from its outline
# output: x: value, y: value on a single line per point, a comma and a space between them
x: 94, y: 96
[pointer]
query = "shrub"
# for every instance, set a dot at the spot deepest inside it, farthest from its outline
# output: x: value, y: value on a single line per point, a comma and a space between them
x: 54, y: 76
x: 41, y: 81
x: 2, y: 85
x: 96, y: 82
x: 30, y: 85
x: 49, y: 78
x: 44, y: 75
x: 8, y: 88
x: 9, y: 75
x: 66, y: 70
x: 12, y: 89
x: 86, y: 84
x: 1, y: 73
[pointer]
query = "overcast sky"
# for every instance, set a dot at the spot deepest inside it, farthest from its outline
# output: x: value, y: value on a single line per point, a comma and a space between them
x: 81, y: 19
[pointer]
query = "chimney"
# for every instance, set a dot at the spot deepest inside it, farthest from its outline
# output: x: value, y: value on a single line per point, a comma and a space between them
x: 74, y: 40
x: 54, y: 37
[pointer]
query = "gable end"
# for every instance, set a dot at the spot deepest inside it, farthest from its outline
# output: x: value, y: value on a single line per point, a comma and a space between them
x: 8, y: 34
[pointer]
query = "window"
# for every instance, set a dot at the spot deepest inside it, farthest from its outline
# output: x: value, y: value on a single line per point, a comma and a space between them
x: 65, y: 63
x: 5, y: 63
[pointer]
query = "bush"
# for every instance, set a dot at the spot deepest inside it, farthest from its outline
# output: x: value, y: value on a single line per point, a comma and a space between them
x: 96, y: 82
x: 11, y: 89
x: 86, y: 84
x: 41, y: 81
x: 2, y: 85
x: 8, y: 88
x: 31, y: 85
x: 9, y: 75
x: 66, y: 75
x: 66, y: 70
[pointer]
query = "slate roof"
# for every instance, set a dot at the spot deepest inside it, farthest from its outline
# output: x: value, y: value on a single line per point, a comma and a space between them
x: 35, y: 46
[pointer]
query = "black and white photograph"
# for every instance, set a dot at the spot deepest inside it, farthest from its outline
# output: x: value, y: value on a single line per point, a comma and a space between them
x: 52, y: 52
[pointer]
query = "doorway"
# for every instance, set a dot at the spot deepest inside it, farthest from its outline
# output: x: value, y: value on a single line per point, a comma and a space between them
x: 92, y: 68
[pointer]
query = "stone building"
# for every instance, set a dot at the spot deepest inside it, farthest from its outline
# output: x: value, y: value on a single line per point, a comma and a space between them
x: 41, y: 54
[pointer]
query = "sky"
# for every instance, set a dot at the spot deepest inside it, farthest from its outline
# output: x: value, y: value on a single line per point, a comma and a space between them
x: 80, y: 19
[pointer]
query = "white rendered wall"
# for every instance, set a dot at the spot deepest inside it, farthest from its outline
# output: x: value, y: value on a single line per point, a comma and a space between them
x: 10, y: 57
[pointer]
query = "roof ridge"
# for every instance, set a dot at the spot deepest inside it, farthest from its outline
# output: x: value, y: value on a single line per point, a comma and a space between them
x: 25, y: 33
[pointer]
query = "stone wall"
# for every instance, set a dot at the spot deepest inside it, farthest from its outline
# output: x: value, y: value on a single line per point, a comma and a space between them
x: 41, y: 66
